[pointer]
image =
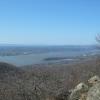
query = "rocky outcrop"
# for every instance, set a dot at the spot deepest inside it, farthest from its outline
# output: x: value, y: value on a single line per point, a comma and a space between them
x: 79, y: 90
x: 89, y: 91
x: 94, y: 80
x: 94, y: 92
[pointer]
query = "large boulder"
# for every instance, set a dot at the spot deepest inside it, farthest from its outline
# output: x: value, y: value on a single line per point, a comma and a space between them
x: 78, y: 91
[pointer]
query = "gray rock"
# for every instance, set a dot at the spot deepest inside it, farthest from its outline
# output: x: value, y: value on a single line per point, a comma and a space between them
x: 79, y: 89
x: 94, y: 80
x: 94, y: 92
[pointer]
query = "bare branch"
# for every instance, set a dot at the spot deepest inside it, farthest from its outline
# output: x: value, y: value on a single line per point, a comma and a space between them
x: 98, y: 38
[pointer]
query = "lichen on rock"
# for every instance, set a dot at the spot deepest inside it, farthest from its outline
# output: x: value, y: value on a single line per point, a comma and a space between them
x: 78, y: 91
x: 94, y: 92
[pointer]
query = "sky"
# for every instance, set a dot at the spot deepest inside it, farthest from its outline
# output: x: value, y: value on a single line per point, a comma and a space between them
x: 49, y: 22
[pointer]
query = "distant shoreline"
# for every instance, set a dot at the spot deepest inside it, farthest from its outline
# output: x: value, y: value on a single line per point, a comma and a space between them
x: 21, y: 56
x: 58, y: 60
x: 76, y: 60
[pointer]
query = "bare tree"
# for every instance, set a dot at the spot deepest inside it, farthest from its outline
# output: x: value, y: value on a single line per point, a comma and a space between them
x: 98, y: 38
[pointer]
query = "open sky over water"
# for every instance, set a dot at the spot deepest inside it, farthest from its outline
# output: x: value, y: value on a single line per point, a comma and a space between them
x: 49, y: 22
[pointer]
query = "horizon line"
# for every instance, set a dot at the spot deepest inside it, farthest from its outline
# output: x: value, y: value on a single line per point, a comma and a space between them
x: 11, y: 44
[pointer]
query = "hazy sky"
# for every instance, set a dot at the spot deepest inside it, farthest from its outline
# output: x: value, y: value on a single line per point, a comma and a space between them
x: 49, y: 22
